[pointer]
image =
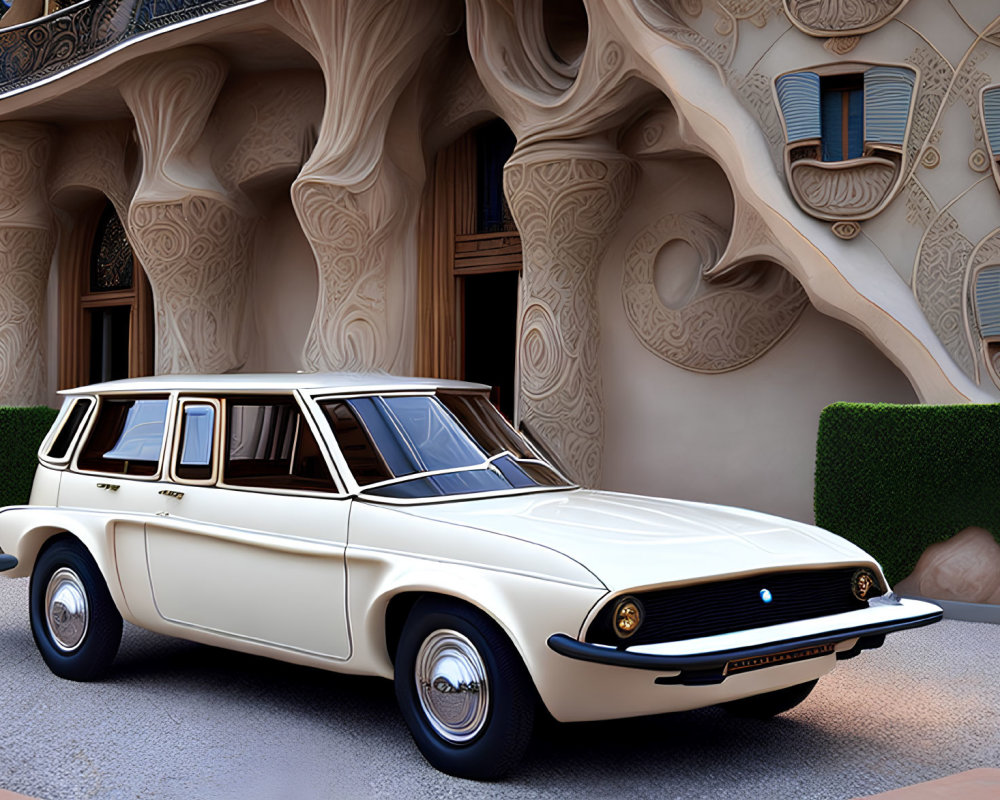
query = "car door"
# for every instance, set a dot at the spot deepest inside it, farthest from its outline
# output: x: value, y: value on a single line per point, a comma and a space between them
x: 249, y: 540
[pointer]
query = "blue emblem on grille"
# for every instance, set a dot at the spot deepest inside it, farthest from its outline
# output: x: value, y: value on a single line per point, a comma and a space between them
x: 766, y: 596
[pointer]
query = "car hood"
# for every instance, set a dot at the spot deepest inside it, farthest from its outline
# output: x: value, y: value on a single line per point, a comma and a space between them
x: 629, y: 541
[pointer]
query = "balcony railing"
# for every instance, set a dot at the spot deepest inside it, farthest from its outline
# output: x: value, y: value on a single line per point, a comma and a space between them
x: 37, y: 51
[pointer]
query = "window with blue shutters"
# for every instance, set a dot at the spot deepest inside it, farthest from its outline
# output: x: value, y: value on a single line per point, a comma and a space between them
x: 838, y: 117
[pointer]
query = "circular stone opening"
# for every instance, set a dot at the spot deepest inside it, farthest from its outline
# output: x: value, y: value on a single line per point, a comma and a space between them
x: 566, y: 29
x: 676, y: 273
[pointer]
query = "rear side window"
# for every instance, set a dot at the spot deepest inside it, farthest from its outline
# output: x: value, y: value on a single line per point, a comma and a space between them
x: 70, y: 427
x: 195, y: 460
x: 269, y: 445
x: 127, y: 437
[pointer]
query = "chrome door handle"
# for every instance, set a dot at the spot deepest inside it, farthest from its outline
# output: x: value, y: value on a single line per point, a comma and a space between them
x: 111, y: 487
x: 171, y: 493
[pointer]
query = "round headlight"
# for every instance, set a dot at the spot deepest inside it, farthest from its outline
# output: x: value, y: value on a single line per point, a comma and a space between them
x: 864, y: 584
x: 628, y: 617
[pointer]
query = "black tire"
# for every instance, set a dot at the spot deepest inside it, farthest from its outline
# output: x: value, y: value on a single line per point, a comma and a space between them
x: 80, y: 638
x: 485, y: 731
x: 765, y: 706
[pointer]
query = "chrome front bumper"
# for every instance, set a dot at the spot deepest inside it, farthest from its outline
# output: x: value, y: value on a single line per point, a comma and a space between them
x: 713, y: 658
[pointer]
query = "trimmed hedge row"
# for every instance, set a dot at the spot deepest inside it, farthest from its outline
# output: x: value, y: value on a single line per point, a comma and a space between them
x: 895, y: 479
x: 21, y: 432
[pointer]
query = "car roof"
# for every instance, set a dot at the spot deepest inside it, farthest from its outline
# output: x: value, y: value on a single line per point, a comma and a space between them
x: 311, y: 382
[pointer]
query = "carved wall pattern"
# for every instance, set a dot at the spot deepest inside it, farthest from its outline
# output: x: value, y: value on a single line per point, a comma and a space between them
x: 842, y: 17
x: 196, y: 255
x: 935, y: 82
x: 93, y: 156
x: 968, y: 82
x: 26, y: 243
x: 725, y: 326
x: 191, y: 236
x: 276, y: 117
x: 851, y: 193
x: 355, y: 206
x: 25, y: 255
x: 566, y: 210
x: 938, y: 279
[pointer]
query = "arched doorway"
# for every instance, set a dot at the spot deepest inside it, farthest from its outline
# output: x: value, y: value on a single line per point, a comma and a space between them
x: 106, y: 320
x: 469, y: 266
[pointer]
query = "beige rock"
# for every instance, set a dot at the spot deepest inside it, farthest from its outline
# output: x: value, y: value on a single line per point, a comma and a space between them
x: 966, y: 568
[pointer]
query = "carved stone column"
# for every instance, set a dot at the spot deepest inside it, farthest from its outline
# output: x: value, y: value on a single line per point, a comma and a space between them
x: 191, y: 234
x: 355, y: 204
x: 567, y: 203
x: 26, y: 243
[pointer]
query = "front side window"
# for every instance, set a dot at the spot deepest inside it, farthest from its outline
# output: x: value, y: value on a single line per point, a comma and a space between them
x: 127, y: 437
x: 269, y: 445
x: 430, y: 446
x: 67, y: 432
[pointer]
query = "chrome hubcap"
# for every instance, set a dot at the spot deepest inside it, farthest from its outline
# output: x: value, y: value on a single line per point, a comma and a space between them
x: 452, y: 686
x: 67, y: 613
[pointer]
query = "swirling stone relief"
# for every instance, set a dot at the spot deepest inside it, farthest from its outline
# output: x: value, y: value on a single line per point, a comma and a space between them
x: 728, y: 323
x: 938, y: 278
x: 196, y: 254
x: 354, y: 204
x: 841, y: 17
x: 191, y: 236
x: 566, y: 208
x: 266, y: 125
x: 855, y: 192
x: 26, y: 244
x: 92, y: 156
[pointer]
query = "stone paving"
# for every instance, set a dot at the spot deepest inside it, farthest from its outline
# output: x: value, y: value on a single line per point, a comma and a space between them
x: 178, y: 720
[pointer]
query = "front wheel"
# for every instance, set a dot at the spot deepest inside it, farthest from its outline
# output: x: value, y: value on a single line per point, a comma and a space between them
x: 765, y: 706
x: 463, y: 691
x: 74, y: 620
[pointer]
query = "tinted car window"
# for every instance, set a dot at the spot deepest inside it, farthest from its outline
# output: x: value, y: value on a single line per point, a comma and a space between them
x: 194, y: 457
x: 127, y: 437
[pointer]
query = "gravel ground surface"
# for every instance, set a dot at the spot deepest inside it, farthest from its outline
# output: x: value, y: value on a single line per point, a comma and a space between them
x: 178, y: 720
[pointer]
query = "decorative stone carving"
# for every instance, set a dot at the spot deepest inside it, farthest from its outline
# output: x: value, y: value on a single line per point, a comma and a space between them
x: 855, y: 189
x: 26, y: 243
x: 979, y: 161
x: 355, y: 205
x: 93, y: 156
x: 841, y: 45
x: 191, y: 236
x: 930, y: 158
x: 932, y: 89
x: 938, y: 278
x: 728, y: 323
x: 566, y: 206
x: 266, y: 125
x: 845, y: 229
x: 841, y: 17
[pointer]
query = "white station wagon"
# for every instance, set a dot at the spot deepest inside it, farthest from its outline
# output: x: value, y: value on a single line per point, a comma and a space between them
x: 401, y: 527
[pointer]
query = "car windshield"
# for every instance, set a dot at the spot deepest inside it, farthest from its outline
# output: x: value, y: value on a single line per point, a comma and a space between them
x: 433, y: 446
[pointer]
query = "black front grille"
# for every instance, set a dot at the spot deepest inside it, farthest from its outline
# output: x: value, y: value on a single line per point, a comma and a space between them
x: 708, y: 609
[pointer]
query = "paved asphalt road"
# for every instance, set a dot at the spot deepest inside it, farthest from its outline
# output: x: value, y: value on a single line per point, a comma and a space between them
x: 178, y: 720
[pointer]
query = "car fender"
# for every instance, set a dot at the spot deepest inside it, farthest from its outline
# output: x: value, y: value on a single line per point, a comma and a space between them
x: 24, y: 530
x: 528, y: 609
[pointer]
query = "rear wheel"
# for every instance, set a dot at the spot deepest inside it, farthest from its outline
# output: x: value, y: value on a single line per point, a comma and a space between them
x: 463, y: 690
x: 764, y: 706
x: 74, y: 620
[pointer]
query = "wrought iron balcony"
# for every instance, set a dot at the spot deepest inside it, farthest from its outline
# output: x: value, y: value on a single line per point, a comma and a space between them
x: 39, y: 50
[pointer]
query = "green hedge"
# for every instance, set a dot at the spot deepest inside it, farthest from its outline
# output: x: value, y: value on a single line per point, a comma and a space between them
x: 895, y: 479
x: 21, y: 433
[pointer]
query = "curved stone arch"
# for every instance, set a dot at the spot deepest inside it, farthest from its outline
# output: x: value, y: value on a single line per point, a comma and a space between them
x: 729, y: 323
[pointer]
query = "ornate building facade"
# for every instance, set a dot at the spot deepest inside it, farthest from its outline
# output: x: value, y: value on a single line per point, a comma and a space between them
x: 669, y: 231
